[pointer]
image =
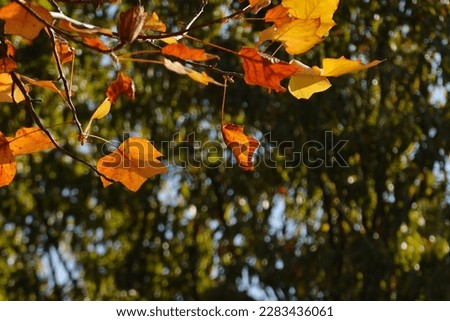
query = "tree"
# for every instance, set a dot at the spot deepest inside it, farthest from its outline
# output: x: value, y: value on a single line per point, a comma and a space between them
x: 374, y: 229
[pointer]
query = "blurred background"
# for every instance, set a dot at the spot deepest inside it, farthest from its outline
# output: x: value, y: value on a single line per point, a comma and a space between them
x: 376, y: 229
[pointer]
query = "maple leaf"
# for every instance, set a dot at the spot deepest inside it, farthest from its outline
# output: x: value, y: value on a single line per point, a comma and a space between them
x: 241, y: 145
x: 7, y: 162
x: 263, y: 72
x: 131, y: 164
x: 122, y: 85
x: 279, y: 15
x: 7, y: 90
x: 181, y: 51
x: 202, y: 77
x: 18, y: 21
x: 310, y: 80
x: 26, y: 141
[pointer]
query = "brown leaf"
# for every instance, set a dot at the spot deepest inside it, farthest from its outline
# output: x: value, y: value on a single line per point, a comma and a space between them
x: 7, y: 162
x: 181, y: 51
x: 122, y: 85
x: 7, y: 65
x: 94, y: 42
x: 130, y: 24
x: 18, y: 21
x: 131, y: 164
x: 263, y: 72
x: 241, y: 145
x: 65, y: 51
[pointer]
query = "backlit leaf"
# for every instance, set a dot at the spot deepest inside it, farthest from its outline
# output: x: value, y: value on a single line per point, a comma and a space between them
x: 257, y: 5
x: 7, y: 162
x: 7, y: 65
x: 7, y: 89
x: 29, y: 140
x: 152, y: 23
x: 100, y: 112
x: 131, y: 164
x: 263, y: 72
x: 122, y: 85
x: 130, y: 23
x: 333, y: 67
x: 278, y: 15
x: 65, y: 51
x: 307, y: 81
x: 18, y: 21
x: 202, y: 77
x: 94, y: 43
x: 181, y: 51
x: 241, y: 145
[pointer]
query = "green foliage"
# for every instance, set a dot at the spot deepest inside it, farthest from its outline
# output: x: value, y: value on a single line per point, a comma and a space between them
x: 375, y: 230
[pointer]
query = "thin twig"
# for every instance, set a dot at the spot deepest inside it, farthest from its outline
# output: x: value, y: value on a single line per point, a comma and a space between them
x: 32, y: 112
x: 189, y: 25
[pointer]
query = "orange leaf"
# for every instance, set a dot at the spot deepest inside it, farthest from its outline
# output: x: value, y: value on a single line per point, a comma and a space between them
x: 278, y: 15
x: 18, y: 21
x: 66, y: 53
x: 257, y: 5
x: 263, y: 72
x: 122, y: 85
x: 202, y: 78
x: 241, y: 145
x: 7, y: 162
x: 7, y: 64
x: 94, y: 43
x: 181, y: 51
x: 131, y: 164
x: 337, y: 67
x: 29, y: 140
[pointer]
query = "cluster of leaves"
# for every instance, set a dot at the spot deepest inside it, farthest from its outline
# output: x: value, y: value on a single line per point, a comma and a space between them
x: 298, y: 25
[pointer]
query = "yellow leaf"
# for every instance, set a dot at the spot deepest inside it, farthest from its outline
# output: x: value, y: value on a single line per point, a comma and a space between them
x: 298, y: 36
x: 131, y: 164
x: 202, y: 78
x: 333, y: 67
x: 307, y: 82
x: 100, y: 112
x: 6, y: 90
x: 314, y: 9
x: 153, y: 23
x: 18, y: 21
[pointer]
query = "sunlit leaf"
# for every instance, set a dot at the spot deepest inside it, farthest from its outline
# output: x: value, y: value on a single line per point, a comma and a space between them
x: 181, y: 51
x: 99, y: 113
x: 18, y: 21
x: 131, y: 164
x: 152, y: 23
x: 279, y: 15
x: 65, y: 51
x: 122, y: 85
x: 241, y: 145
x: 29, y: 140
x: 307, y: 81
x: 7, y: 89
x: 263, y: 72
x: 7, y: 65
x: 257, y: 5
x: 94, y: 42
x: 7, y: 162
x: 130, y: 23
x: 333, y: 67
x: 202, y: 77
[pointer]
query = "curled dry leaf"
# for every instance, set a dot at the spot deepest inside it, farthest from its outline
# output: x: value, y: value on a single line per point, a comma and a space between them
x: 257, y: 5
x: 131, y: 23
x: 262, y: 71
x: 152, y: 23
x: 18, y: 21
x: 65, y: 52
x: 131, y: 164
x: 123, y: 85
x: 241, y: 145
x: 181, y: 51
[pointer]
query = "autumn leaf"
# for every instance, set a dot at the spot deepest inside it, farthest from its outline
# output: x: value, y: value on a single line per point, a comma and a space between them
x: 152, y: 23
x: 257, y: 5
x: 202, y: 77
x: 7, y: 90
x: 314, y: 9
x: 7, y: 162
x: 310, y: 80
x: 94, y: 42
x: 307, y: 81
x: 263, y: 72
x: 29, y: 140
x: 26, y: 141
x: 99, y: 113
x: 279, y: 15
x: 333, y: 67
x: 65, y: 52
x: 7, y: 65
x: 130, y: 24
x: 298, y: 36
x: 181, y: 51
x: 18, y: 21
x: 131, y: 164
x: 241, y: 145
x: 123, y: 85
